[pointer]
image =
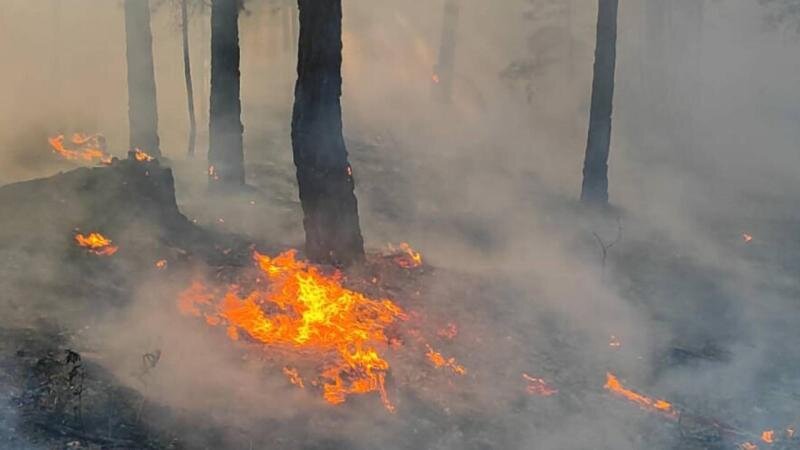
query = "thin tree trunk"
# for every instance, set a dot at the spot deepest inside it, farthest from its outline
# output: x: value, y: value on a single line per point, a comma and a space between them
x: 226, y: 152
x: 187, y: 72
x: 142, y: 111
x: 444, y: 72
x: 324, y: 175
x: 595, y: 169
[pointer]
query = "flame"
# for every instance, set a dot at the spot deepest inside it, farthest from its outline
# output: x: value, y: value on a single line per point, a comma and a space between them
x: 96, y: 243
x: 405, y: 256
x: 293, y: 376
x: 304, y: 310
x: 614, y: 342
x: 768, y: 436
x: 161, y: 264
x: 212, y: 173
x: 661, y: 406
x: 142, y: 156
x: 747, y: 238
x: 748, y: 446
x: 89, y: 147
x: 440, y: 361
x: 538, y: 386
x: 435, y: 78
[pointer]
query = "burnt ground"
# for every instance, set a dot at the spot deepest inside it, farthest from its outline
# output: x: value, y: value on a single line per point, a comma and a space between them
x: 60, y: 390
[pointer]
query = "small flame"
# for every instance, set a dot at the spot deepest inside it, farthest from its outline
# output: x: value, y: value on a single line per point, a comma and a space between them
x: 768, y: 436
x: 405, y: 256
x: 142, y: 156
x: 450, y: 331
x: 435, y: 78
x: 96, y: 243
x: 662, y: 406
x: 84, y: 147
x: 614, y: 342
x: 212, y: 173
x: 748, y: 446
x: 538, y: 386
x: 747, y: 238
x: 294, y: 377
x: 161, y: 264
x: 440, y: 362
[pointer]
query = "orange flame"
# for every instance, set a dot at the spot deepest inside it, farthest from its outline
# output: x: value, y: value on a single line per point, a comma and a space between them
x: 89, y: 147
x: 768, y: 436
x: 661, y: 406
x: 293, y: 376
x: 142, y: 156
x: 748, y: 446
x: 538, y: 386
x: 304, y: 310
x: 747, y: 238
x: 161, y: 264
x: 440, y: 361
x: 405, y: 256
x: 96, y: 243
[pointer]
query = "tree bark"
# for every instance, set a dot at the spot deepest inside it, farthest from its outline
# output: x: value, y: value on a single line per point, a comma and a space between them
x: 226, y: 152
x: 142, y: 107
x: 444, y: 72
x: 187, y: 73
x: 324, y: 175
x: 595, y: 168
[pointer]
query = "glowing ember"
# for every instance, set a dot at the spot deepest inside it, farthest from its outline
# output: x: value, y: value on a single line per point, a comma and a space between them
x: 537, y: 386
x: 405, y: 256
x: 83, y: 147
x: 448, y: 332
x: 614, y: 342
x: 747, y: 238
x: 768, y: 436
x: 309, y: 312
x: 440, y: 362
x: 661, y: 406
x: 161, y: 264
x: 96, y: 243
x: 293, y: 376
x: 141, y: 156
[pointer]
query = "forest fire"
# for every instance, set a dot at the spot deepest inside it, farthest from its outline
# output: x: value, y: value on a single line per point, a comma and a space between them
x: 538, y: 386
x: 614, y: 385
x: 96, y: 243
x: 84, y: 147
x: 405, y: 256
x: 306, y: 311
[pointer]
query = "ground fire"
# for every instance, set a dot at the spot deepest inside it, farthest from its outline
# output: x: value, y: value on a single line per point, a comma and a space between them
x: 614, y: 385
x: 81, y: 147
x: 96, y: 243
x: 295, y: 306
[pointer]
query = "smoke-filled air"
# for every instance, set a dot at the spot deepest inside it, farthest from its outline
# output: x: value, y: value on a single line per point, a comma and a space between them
x: 400, y: 225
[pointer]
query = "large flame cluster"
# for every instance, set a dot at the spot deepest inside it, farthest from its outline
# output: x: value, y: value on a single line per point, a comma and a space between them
x: 302, y: 309
x: 96, y: 243
x: 81, y: 147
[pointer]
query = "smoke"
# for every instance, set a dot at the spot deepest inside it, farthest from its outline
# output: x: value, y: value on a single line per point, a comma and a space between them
x: 704, y: 150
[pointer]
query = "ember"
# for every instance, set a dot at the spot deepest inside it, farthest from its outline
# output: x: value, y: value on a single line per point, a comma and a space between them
x: 96, y: 243
x: 84, y: 147
x: 661, y: 406
x: 293, y: 376
x: 538, y: 386
x: 307, y: 310
x: 440, y: 361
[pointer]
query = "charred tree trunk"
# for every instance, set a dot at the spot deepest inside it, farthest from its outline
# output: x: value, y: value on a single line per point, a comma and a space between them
x: 226, y: 152
x: 595, y: 168
x: 187, y: 73
x: 142, y: 108
x: 444, y: 72
x: 324, y: 175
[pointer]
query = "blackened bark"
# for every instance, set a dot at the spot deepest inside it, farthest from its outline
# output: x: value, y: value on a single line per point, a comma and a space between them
x: 187, y: 73
x: 324, y: 175
x: 226, y: 152
x: 595, y: 168
x: 444, y: 72
x: 142, y: 109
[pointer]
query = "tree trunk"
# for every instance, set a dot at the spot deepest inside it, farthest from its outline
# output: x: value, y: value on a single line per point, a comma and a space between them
x: 142, y: 111
x: 187, y: 73
x: 595, y: 168
x: 324, y: 175
x: 226, y: 152
x: 444, y: 72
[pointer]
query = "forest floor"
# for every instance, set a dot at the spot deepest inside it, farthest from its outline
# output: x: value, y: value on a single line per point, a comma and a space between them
x: 708, y: 323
